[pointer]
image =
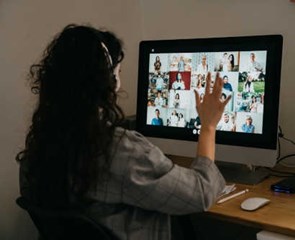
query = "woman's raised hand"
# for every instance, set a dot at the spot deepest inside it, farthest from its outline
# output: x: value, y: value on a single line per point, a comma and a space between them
x: 210, y: 109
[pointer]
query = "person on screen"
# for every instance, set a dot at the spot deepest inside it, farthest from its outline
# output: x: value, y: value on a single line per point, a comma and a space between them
x: 254, y: 65
x: 231, y: 62
x: 255, y: 68
x: 199, y: 84
x: 223, y: 64
x: 176, y: 101
x: 76, y: 154
x: 159, y: 101
x: 253, y: 105
x: 259, y: 100
x: 181, y: 120
x: 157, y: 121
x: 202, y: 68
x: 159, y: 82
x: 178, y: 84
x: 181, y: 64
x: 248, y: 127
x: 173, y: 66
x: 226, y: 84
x: 165, y: 98
x: 248, y: 85
x: 157, y: 65
x: 173, y: 120
x: 150, y: 103
x: 226, y: 123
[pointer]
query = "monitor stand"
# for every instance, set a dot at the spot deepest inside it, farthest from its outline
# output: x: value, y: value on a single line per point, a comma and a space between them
x: 240, y: 173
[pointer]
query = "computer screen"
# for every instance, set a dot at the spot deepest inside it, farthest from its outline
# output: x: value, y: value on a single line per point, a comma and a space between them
x: 170, y: 71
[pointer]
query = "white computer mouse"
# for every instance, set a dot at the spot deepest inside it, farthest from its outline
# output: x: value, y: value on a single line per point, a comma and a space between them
x: 254, y: 203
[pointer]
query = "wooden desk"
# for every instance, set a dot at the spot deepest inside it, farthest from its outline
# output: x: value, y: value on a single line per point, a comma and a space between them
x: 278, y: 216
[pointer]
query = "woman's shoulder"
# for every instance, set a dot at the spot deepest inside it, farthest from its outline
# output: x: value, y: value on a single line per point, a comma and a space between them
x: 131, y: 138
x: 134, y: 148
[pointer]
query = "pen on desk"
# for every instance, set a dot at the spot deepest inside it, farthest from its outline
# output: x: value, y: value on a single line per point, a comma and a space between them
x: 232, y: 196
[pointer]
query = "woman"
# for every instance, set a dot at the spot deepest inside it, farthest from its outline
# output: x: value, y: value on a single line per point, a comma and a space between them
x: 181, y: 120
x: 176, y: 101
x: 173, y: 119
x: 253, y: 105
x: 199, y: 84
x: 157, y: 64
x: 231, y: 62
x: 248, y: 127
x: 75, y: 153
x: 178, y: 84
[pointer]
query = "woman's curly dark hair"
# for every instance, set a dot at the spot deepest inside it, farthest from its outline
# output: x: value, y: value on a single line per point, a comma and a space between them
x: 68, y: 145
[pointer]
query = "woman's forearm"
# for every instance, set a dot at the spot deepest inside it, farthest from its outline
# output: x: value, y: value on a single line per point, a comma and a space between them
x: 206, y: 143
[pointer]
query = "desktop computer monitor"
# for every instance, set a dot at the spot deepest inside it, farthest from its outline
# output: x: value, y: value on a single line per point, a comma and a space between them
x: 250, y: 66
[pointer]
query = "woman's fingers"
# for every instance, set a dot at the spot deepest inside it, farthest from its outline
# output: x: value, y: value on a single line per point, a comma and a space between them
x: 226, y: 100
x: 197, y: 97
x: 218, y: 85
x: 208, y: 82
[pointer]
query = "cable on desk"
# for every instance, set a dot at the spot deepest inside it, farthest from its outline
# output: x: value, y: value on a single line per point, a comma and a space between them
x: 279, y: 158
x: 277, y: 173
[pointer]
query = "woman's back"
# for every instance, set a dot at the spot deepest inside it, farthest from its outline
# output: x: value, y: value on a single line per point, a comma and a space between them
x: 75, y: 153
